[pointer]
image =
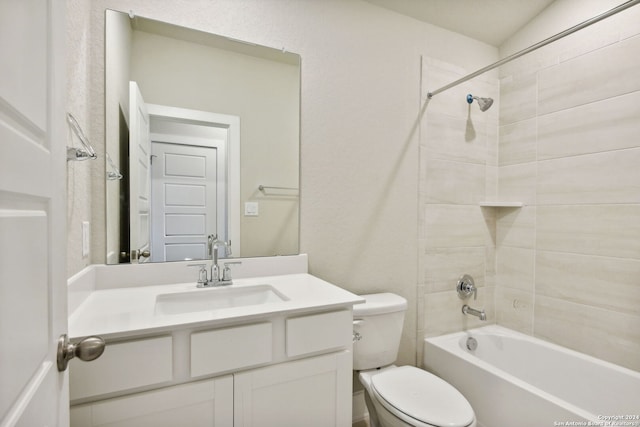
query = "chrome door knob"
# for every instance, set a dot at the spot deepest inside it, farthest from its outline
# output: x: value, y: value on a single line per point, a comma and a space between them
x: 87, y: 349
x: 137, y: 254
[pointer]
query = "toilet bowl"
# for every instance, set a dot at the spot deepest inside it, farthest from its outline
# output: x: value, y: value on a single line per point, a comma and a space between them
x: 406, y: 395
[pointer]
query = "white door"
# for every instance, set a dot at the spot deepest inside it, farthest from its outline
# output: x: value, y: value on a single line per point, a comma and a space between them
x: 33, y: 298
x: 140, y: 175
x: 184, y: 200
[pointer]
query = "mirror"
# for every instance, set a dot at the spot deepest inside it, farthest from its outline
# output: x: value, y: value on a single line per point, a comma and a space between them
x: 202, y: 141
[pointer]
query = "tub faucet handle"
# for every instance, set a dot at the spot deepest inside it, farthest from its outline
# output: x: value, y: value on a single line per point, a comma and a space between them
x: 466, y: 286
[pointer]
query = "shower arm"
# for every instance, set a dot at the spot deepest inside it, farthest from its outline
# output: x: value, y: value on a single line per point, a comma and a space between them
x: 538, y: 45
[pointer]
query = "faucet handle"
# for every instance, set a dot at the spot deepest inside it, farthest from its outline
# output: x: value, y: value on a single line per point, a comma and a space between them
x: 226, y: 273
x: 202, y: 274
x: 466, y: 287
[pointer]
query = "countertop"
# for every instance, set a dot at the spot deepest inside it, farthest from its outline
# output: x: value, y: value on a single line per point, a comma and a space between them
x: 131, y: 311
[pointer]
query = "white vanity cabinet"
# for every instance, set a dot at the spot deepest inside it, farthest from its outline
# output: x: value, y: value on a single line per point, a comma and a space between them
x: 313, y: 392
x: 282, y: 370
x: 199, y: 404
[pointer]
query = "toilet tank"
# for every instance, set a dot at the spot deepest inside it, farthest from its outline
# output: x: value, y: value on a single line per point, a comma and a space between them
x: 378, y: 323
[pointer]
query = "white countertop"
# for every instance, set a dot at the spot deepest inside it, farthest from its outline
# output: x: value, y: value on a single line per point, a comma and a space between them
x: 131, y: 311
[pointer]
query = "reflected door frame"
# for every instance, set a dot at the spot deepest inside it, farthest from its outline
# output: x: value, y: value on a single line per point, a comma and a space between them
x: 232, y: 168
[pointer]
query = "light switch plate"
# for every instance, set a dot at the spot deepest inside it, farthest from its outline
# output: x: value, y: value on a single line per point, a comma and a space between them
x: 251, y: 209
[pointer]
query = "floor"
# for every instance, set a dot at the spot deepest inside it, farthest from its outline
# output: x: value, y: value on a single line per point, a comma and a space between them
x: 362, y: 423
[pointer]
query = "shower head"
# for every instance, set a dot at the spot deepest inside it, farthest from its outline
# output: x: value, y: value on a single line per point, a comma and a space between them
x: 483, y: 103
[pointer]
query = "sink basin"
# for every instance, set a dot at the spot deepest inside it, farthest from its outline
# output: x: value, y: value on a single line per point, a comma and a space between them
x: 216, y: 299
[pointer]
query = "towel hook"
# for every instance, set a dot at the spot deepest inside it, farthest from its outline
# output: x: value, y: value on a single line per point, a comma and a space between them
x: 79, y: 153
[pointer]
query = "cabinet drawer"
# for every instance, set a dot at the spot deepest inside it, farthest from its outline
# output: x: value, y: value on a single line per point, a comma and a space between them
x: 308, y: 334
x: 123, y: 366
x: 230, y: 348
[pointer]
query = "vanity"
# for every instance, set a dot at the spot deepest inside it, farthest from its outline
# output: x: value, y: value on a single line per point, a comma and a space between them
x: 273, y: 349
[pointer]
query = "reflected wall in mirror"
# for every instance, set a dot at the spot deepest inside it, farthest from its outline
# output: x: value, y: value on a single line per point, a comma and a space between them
x: 205, y: 133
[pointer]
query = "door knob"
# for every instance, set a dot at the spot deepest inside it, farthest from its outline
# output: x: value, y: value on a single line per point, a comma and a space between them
x: 87, y: 349
x: 137, y: 254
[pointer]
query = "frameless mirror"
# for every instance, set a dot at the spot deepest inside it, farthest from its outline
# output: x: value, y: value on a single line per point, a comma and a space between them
x: 202, y: 143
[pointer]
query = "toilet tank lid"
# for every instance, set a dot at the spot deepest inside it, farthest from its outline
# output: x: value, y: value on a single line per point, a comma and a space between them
x: 380, y: 304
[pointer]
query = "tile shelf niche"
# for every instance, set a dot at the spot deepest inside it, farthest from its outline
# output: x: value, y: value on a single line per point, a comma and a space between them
x: 501, y: 204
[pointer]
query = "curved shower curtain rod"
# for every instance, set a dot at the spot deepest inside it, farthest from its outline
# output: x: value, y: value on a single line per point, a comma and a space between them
x: 538, y: 45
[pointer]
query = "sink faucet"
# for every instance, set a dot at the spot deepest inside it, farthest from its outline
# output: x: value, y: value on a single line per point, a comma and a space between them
x: 478, y: 313
x: 213, y: 244
x: 216, y: 277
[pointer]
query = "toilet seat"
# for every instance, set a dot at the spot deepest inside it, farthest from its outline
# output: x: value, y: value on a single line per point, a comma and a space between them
x: 422, y: 396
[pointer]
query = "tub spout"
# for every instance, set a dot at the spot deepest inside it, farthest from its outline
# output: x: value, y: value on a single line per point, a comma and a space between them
x: 478, y: 313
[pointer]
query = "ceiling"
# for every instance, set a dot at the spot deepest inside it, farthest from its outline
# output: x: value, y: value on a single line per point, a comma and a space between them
x: 490, y: 21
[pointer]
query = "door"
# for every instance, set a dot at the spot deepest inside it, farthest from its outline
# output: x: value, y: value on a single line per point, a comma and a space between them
x: 312, y: 392
x: 33, y: 298
x: 207, y: 403
x: 184, y: 194
x: 140, y: 176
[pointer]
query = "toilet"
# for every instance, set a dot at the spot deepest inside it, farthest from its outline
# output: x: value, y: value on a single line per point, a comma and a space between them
x: 399, y: 396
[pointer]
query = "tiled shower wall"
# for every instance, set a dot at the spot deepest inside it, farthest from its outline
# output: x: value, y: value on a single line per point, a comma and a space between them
x: 564, y: 267
x: 458, y: 170
x: 568, y: 262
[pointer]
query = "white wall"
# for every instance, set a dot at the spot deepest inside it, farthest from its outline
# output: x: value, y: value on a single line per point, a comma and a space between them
x: 359, y: 128
x: 568, y: 262
x: 79, y: 103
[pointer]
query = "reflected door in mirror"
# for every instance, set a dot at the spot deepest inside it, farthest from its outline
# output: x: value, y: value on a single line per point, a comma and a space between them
x: 183, y: 193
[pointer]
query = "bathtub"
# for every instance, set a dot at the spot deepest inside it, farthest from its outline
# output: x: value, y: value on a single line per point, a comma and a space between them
x: 512, y: 379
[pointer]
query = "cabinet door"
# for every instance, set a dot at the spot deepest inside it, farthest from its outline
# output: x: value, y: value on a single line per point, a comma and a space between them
x: 201, y: 404
x: 313, y: 392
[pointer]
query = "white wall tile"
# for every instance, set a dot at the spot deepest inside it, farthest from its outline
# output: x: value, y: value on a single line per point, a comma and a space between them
x: 514, y: 309
x: 530, y: 63
x: 454, y: 182
x: 605, y: 282
x: 610, y: 177
x: 491, y: 183
x: 517, y: 183
x: 444, y: 266
x: 601, y: 74
x: 629, y: 23
x: 450, y: 138
x: 443, y: 312
x: 518, y: 142
x: 609, y: 124
x: 602, y: 333
x: 606, y: 230
x: 516, y: 227
x: 586, y: 40
x: 493, y: 140
x: 518, y: 96
x: 448, y: 226
x: 515, y: 268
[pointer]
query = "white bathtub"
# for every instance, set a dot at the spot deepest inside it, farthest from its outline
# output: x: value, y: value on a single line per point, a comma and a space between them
x: 513, y: 379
